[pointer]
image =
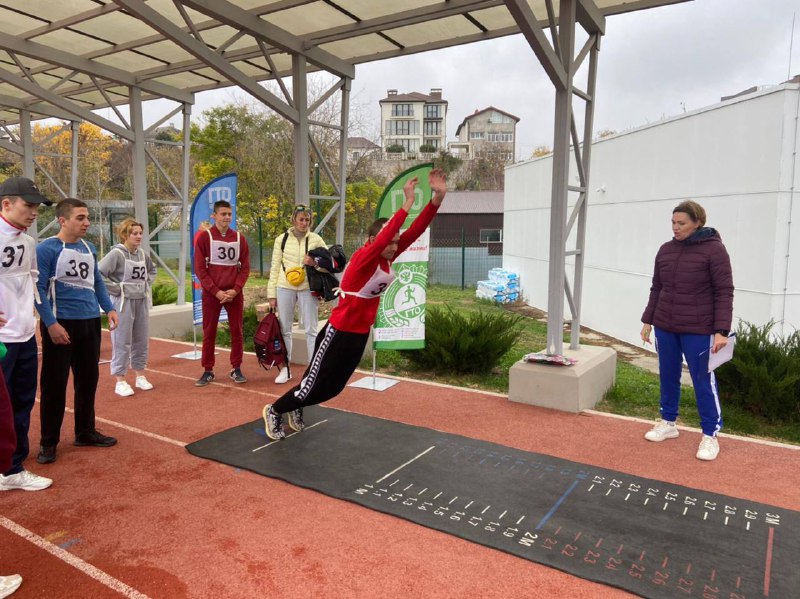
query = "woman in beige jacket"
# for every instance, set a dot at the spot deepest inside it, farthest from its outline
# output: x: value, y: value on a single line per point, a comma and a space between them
x: 288, y: 285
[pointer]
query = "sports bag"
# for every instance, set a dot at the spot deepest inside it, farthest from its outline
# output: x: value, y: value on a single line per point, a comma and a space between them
x: 268, y: 340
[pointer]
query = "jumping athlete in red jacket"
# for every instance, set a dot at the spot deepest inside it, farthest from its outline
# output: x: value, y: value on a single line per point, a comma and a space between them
x: 341, y: 342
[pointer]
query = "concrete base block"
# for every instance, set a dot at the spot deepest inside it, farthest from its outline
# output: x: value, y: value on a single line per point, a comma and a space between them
x: 299, y: 347
x: 171, y: 321
x: 569, y: 388
x: 300, y: 350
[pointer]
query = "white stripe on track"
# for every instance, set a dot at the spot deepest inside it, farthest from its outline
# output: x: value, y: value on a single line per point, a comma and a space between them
x: 72, y: 560
x: 232, y: 385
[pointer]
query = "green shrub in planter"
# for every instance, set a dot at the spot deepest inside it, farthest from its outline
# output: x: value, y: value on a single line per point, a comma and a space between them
x: 474, y: 342
x: 164, y: 293
x: 764, y: 375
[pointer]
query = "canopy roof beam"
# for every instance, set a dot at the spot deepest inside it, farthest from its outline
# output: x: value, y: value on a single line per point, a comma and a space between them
x: 83, y: 65
x: 202, y: 52
x: 70, y: 107
x: 238, y: 18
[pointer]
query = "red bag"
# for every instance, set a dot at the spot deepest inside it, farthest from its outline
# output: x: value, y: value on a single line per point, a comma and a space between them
x: 268, y: 340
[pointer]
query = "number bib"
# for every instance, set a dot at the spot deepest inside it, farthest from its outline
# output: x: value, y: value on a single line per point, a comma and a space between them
x: 15, y: 256
x: 135, y: 273
x: 224, y: 253
x: 75, y: 268
x: 377, y: 283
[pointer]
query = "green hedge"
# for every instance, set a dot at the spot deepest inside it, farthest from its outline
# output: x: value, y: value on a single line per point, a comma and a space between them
x: 472, y: 342
x: 764, y: 375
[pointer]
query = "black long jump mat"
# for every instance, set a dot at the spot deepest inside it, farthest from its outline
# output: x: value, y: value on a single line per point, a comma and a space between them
x: 645, y: 536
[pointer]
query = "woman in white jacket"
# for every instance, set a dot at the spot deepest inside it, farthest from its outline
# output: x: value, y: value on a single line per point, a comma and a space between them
x: 128, y: 273
x: 288, y: 285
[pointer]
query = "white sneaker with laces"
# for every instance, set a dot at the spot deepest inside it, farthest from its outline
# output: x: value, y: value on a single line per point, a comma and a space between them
x: 143, y: 383
x: 661, y: 431
x: 709, y: 448
x: 24, y: 481
x: 123, y: 389
x: 9, y: 584
x: 283, y: 376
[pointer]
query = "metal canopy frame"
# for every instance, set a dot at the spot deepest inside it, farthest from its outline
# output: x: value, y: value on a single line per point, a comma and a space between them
x: 92, y: 54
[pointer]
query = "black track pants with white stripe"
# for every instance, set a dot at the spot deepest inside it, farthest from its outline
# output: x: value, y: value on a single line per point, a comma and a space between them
x: 336, y: 357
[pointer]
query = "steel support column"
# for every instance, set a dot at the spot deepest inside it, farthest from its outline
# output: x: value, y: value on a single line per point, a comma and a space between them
x: 585, y: 159
x: 139, y: 166
x: 26, y: 136
x: 301, y: 147
x: 26, y: 139
x: 345, y: 123
x: 560, y: 191
x: 75, y: 127
x: 184, y: 220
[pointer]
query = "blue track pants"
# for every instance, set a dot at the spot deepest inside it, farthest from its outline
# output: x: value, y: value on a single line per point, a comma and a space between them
x: 672, y: 348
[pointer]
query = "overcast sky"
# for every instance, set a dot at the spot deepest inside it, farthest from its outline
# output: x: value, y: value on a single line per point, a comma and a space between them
x: 653, y: 63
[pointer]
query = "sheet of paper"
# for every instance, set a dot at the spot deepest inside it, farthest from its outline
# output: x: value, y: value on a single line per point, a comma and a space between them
x: 723, y: 355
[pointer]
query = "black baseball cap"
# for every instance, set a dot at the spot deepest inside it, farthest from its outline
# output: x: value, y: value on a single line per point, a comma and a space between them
x: 23, y: 188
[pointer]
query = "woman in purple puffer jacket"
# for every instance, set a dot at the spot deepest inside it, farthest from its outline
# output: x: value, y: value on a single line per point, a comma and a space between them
x: 691, y: 308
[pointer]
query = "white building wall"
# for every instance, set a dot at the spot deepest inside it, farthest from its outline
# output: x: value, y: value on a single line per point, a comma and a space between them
x: 739, y: 159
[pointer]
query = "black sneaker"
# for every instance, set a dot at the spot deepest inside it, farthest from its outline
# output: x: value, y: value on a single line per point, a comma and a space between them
x: 237, y: 376
x: 273, y: 423
x: 94, y: 439
x: 47, y: 454
x: 204, y: 380
x: 296, y: 420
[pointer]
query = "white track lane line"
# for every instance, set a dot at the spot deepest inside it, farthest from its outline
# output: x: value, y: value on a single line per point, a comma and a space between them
x: 232, y: 385
x: 74, y: 561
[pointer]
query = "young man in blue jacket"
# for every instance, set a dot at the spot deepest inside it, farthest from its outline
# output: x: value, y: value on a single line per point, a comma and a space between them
x: 71, y: 292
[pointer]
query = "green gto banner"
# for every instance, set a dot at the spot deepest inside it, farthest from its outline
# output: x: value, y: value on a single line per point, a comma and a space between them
x: 401, y: 317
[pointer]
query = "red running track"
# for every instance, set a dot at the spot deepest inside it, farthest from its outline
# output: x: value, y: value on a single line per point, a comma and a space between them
x: 146, y: 519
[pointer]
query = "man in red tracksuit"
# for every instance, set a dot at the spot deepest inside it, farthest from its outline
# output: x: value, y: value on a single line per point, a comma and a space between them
x: 341, y: 342
x: 222, y: 263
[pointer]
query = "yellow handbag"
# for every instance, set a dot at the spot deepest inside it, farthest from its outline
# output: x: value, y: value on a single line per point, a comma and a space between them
x: 295, y: 276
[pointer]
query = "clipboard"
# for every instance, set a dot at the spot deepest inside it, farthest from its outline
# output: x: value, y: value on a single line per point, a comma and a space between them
x: 723, y: 355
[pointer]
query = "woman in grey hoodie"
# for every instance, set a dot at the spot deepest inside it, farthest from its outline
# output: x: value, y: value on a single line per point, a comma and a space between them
x: 128, y: 274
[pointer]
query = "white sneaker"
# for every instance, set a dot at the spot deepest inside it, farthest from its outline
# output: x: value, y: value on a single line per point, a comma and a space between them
x: 24, y: 481
x: 143, y: 383
x: 709, y: 448
x: 283, y: 376
x: 9, y: 584
x: 123, y: 388
x: 663, y: 430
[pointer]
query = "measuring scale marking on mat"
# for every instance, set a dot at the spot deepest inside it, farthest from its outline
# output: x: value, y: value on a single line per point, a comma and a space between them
x: 557, y: 541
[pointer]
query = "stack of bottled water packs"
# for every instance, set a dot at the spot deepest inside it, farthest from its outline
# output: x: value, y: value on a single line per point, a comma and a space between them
x: 501, y: 287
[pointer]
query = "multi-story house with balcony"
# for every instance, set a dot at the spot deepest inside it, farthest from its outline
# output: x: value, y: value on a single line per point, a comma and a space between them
x: 489, y: 132
x: 414, y: 121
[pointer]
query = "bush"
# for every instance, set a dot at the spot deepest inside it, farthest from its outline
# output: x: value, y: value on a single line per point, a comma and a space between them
x: 764, y: 375
x: 164, y: 293
x: 474, y: 342
x: 395, y: 149
x: 427, y: 149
